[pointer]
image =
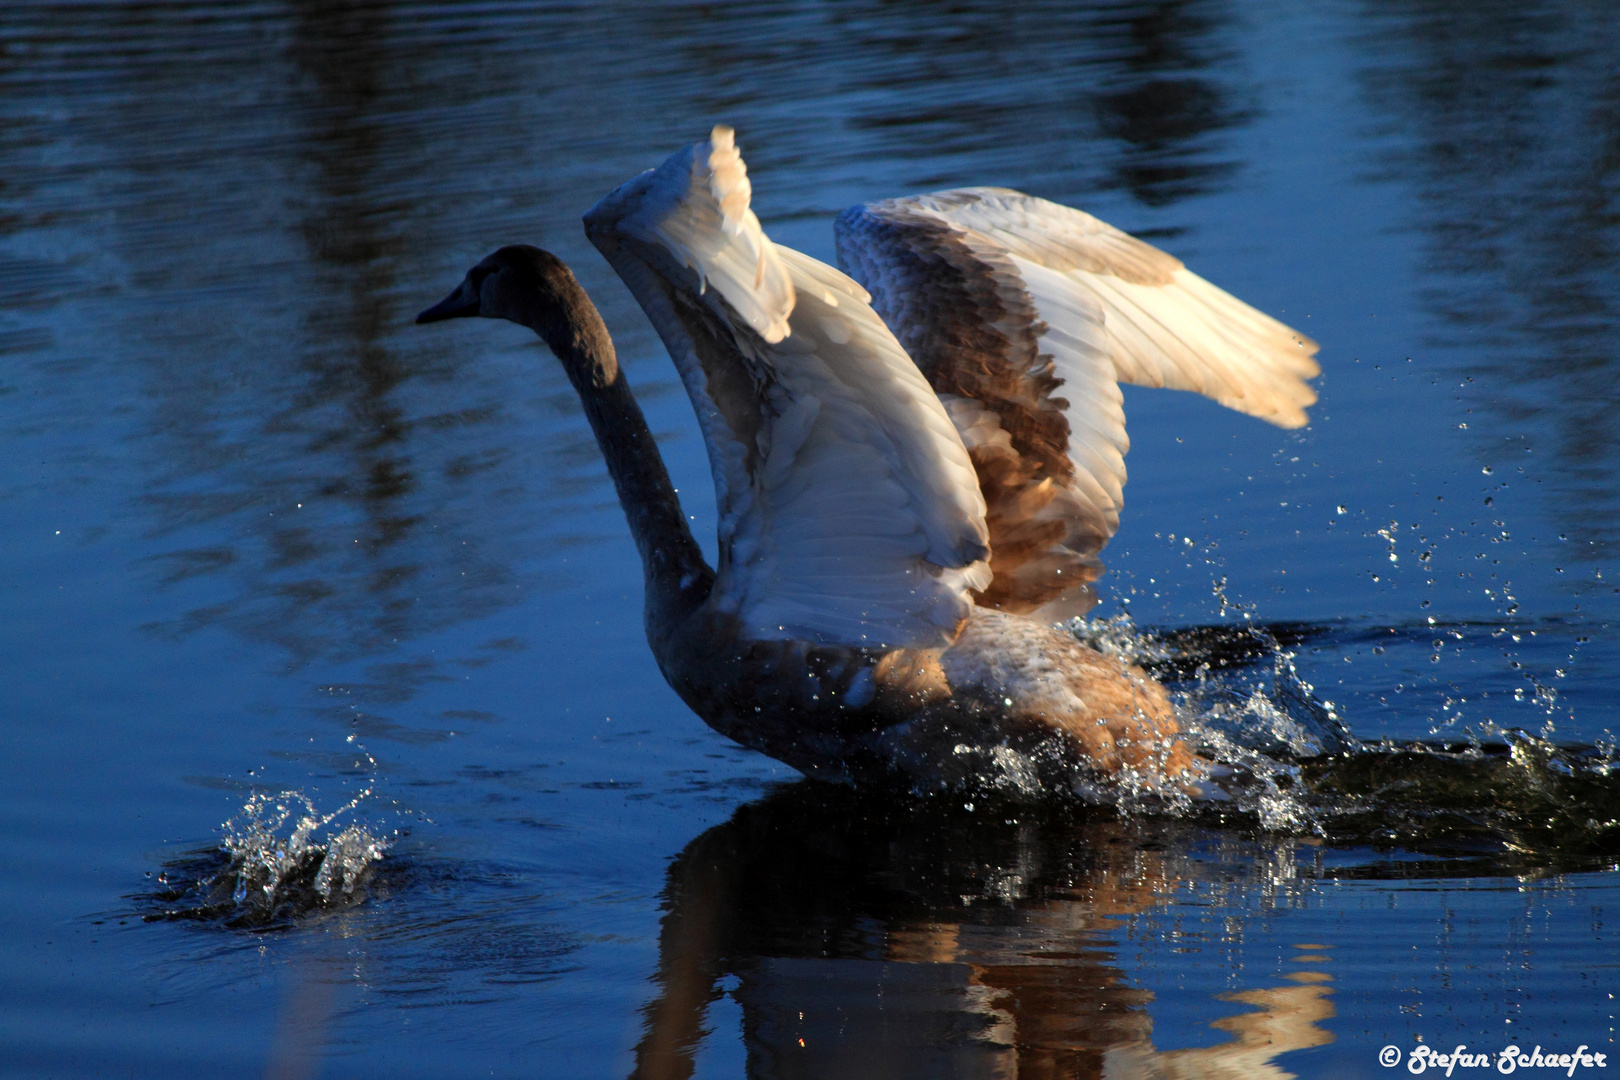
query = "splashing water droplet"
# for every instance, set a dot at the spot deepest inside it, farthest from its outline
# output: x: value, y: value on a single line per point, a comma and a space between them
x: 281, y: 858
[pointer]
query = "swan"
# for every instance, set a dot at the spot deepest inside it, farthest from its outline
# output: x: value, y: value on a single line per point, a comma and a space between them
x: 915, y: 465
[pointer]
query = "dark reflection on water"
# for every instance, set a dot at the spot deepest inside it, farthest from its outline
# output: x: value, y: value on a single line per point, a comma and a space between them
x: 1506, y: 122
x: 861, y: 938
x: 1125, y: 95
x: 1164, y: 104
x: 856, y: 937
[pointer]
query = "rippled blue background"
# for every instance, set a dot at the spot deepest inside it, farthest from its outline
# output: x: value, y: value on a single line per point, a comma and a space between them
x: 249, y: 511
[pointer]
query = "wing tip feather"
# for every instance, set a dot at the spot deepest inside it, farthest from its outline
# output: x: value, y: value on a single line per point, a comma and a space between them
x: 728, y: 181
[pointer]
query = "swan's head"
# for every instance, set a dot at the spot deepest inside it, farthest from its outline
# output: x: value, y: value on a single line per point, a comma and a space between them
x: 522, y: 284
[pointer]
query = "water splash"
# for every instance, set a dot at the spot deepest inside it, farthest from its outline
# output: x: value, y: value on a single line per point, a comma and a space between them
x: 1283, y: 760
x: 1287, y: 762
x: 279, y: 858
x: 1118, y: 637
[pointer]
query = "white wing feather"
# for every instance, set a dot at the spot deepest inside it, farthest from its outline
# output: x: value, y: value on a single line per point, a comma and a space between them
x: 695, y: 205
x: 1168, y: 326
x: 1076, y: 337
x: 849, y: 511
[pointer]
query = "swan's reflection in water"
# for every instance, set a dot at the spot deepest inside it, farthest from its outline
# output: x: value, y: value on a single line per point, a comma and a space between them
x: 864, y: 940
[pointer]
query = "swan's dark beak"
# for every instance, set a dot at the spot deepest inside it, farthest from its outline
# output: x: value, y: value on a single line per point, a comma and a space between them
x: 459, y: 304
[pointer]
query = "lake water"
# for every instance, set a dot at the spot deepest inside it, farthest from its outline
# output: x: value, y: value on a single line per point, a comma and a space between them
x: 261, y: 535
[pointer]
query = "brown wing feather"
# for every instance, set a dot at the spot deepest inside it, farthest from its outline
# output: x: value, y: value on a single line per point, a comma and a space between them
x: 959, y: 310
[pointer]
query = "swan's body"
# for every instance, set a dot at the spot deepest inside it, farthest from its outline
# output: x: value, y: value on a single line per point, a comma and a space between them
x: 892, y: 514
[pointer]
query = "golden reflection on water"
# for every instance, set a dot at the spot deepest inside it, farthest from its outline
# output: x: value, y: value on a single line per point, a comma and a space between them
x: 860, y: 944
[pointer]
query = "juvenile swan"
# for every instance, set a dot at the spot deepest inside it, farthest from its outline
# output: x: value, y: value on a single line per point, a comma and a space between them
x: 912, y: 482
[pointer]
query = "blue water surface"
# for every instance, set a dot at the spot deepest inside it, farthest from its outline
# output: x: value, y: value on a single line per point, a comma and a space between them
x: 262, y: 534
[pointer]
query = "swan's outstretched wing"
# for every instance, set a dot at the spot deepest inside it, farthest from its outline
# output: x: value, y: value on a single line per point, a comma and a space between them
x: 849, y: 511
x: 1025, y: 315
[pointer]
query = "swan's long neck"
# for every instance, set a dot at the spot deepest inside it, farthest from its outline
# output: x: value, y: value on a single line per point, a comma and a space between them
x: 677, y: 578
